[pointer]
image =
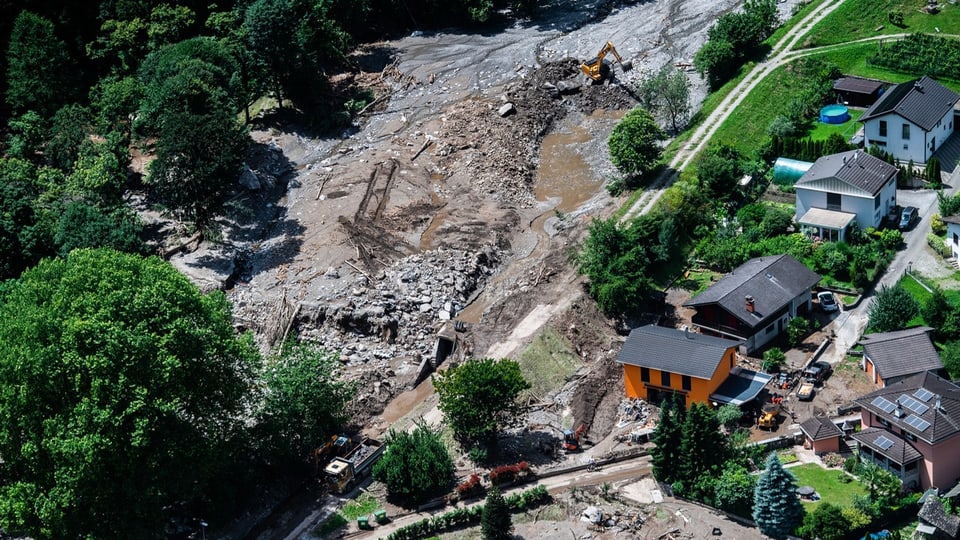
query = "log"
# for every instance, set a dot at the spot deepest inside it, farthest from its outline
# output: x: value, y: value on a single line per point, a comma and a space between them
x: 426, y: 143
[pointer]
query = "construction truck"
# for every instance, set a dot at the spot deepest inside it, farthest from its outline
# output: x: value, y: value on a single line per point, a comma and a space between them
x: 342, y: 473
x: 805, y: 391
x: 598, y: 69
x: 768, y: 414
x: 571, y: 438
x: 337, y: 445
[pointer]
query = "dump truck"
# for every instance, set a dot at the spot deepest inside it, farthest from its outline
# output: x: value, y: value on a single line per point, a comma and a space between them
x: 597, y: 69
x: 342, y: 473
x: 805, y: 392
x: 768, y: 415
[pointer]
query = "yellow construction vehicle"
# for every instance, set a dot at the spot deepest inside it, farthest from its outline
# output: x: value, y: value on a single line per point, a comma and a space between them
x: 597, y: 69
x: 769, y: 414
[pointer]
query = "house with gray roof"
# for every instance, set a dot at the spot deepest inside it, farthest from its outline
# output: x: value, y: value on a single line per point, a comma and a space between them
x: 660, y: 362
x: 935, y: 523
x: 889, y: 357
x: 843, y: 188
x: 753, y: 303
x: 911, y: 120
x: 822, y: 435
x: 912, y: 429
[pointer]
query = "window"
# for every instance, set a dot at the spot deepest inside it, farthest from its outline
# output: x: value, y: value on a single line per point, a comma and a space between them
x: 884, y: 422
x: 876, y: 202
x: 883, y: 128
x: 645, y: 374
x: 771, y: 328
x: 911, y: 466
x: 665, y: 378
x: 906, y: 132
x: 686, y: 382
x: 909, y: 436
x: 956, y: 239
x: 834, y: 201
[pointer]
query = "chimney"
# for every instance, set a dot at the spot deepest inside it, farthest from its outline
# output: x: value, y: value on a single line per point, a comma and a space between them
x: 749, y: 303
x: 686, y: 332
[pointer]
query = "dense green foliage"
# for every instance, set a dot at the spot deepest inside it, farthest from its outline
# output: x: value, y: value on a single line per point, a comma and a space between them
x: 809, y: 149
x: 734, y: 489
x: 892, y: 307
x: 495, y: 522
x: 634, y: 143
x: 934, y: 56
x: 826, y: 522
x: 665, y: 455
x: 618, y: 259
x: 734, y: 38
x: 416, y: 466
x: 303, y: 402
x: 776, y: 507
x: 38, y: 70
x: 951, y: 358
x: 479, y: 397
x: 123, y: 390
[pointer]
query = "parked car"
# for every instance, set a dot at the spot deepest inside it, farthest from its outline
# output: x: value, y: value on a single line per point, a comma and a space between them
x: 907, y: 217
x: 817, y: 372
x: 828, y: 302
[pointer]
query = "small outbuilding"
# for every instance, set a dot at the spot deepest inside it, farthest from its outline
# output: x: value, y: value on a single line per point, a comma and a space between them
x: 889, y: 357
x: 822, y: 435
x: 858, y: 91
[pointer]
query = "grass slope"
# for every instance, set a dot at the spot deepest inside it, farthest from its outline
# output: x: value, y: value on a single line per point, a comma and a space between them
x: 857, y: 19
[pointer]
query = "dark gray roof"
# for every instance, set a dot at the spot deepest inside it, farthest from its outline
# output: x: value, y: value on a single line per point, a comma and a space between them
x: 741, y: 386
x: 903, y: 352
x: 900, y: 452
x: 934, y: 514
x: 675, y: 351
x: 772, y: 282
x: 922, y: 101
x: 855, y: 167
x: 951, y: 219
x: 858, y: 85
x: 943, y: 407
x: 819, y: 428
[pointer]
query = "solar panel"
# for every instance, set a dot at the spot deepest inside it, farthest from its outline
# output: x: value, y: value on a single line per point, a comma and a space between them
x: 883, y: 404
x: 913, y: 404
x: 923, y: 394
x: 919, y: 423
x: 883, y: 442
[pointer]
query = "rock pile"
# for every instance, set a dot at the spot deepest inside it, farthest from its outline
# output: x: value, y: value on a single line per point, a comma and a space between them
x: 397, y: 316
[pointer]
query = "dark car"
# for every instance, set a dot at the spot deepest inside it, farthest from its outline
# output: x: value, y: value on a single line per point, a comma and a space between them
x: 817, y: 372
x: 907, y: 217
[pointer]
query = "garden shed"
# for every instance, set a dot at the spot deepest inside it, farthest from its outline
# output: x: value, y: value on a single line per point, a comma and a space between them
x: 858, y: 91
x: 822, y: 435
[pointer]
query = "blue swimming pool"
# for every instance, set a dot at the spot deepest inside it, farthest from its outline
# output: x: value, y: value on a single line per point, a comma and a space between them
x: 834, y: 114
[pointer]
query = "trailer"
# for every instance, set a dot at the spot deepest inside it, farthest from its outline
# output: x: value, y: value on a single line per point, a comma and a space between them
x: 342, y: 473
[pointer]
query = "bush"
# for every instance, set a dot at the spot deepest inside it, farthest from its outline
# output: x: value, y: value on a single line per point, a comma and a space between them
x: 797, y: 329
x: 773, y: 359
x: 833, y: 460
x: 851, y: 464
x: 471, y: 487
x: 509, y: 473
x: 938, y: 245
x: 937, y: 225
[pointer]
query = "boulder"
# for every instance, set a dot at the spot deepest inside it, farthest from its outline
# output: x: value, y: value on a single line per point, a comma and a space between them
x: 248, y: 179
x: 506, y: 109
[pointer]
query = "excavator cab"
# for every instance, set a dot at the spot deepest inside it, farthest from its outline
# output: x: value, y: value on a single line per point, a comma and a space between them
x: 571, y: 439
x: 597, y: 70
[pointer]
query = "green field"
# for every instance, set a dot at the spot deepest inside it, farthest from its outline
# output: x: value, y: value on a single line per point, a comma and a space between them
x: 548, y: 362
x: 858, y: 19
x: 827, y: 483
x: 847, y: 129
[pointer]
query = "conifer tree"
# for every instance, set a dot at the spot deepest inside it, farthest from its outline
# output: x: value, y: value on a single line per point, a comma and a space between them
x: 702, y: 445
x: 776, y: 506
x: 666, y: 438
x: 495, y: 521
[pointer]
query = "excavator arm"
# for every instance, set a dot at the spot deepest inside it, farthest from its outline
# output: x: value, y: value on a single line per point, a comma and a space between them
x: 594, y: 68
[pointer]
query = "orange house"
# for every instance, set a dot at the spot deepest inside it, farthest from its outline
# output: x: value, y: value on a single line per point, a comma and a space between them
x: 659, y: 362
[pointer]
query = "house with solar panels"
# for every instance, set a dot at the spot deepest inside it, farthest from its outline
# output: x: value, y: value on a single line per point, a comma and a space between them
x: 912, y: 429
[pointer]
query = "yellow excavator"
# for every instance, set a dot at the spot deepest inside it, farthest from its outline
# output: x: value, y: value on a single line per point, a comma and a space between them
x: 597, y: 70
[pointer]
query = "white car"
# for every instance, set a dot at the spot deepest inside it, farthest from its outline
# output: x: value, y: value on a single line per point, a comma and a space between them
x: 827, y: 302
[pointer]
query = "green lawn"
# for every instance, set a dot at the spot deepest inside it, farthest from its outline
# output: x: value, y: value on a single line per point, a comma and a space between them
x: 847, y: 129
x: 857, y: 19
x: 919, y: 293
x: 852, y: 60
x: 547, y: 362
x: 827, y: 484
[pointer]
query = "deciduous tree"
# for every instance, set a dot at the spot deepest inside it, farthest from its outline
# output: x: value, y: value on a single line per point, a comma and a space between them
x: 776, y: 507
x: 734, y: 489
x: 37, y: 66
x: 634, y: 143
x: 124, y: 392
x: 479, y: 397
x: 892, y: 308
x: 667, y: 95
x: 826, y: 522
x: 416, y: 466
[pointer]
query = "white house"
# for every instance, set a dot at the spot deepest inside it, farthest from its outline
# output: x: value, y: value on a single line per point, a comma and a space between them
x: 911, y: 120
x: 844, y: 187
x: 953, y: 235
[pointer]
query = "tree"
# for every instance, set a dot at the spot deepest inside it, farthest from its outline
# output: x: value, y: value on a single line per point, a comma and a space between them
x: 702, y: 445
x: 634, y: 143
x: 304, y: 402
x: 479, y: 397
x: 25, y: 233
x: 495, y: 522
x: 37, y: 66
x: 949, y: 206
x: 68, y: 130
x: 797, y: 329
x: 665, y: 453
x: 717, y: 61
x: 773, y: 358
x: 416, y: 466
x: 83, y: 225
x: 892, y: 309
x: 939, y: 314
x: 667, y: 94
x: 729, y: 416
x: 826, y: 522
x: 951, y: 358
x: 718, y: 170
x: 882, y: 485
x: 776, y: 507
x: 734, y: 489
x: 124, y: 391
